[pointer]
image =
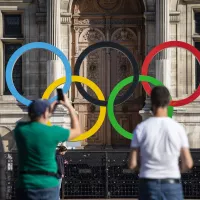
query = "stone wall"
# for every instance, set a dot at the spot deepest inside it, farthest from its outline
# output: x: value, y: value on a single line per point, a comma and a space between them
x: 181, y: 63
x: 182, y: 28
x: 34, y: 66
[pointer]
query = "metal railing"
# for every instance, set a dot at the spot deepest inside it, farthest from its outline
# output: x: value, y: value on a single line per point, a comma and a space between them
x: 2, y: 173
x: 102, y: 174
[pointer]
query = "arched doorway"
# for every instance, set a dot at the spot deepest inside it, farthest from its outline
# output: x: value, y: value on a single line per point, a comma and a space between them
x: 122, y: 22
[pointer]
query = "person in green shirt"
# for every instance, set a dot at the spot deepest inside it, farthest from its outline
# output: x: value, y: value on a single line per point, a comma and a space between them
x: 36, y: 143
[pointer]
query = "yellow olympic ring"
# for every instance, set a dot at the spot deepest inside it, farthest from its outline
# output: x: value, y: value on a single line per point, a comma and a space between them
x: 97, y: 91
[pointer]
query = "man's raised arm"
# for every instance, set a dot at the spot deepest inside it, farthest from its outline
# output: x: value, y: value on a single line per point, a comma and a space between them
x: 75, y: 130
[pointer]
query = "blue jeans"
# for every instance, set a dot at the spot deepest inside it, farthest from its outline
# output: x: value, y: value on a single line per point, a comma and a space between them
x: 153, y: 190
x: 60, y: 184
x: 37, y: 194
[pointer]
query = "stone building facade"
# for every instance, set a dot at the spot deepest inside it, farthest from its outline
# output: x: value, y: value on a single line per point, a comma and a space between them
x: 73, y: 25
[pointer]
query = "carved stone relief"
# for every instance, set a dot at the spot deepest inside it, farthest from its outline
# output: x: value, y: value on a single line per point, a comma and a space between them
x: 82, y: 6
x: 107, y: 6
x: 123, y: 70
x: 124, y: 34
x: 113, y: 21
x: 91, y: 35
x: 93, y: 70
x: 81, y: 22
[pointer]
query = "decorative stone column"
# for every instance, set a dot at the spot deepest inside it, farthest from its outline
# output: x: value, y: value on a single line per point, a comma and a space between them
x: 150, y: 43
x: 54, y: 70
x: 54, y: 66
x: 163, y: 68
x: 66, y: 23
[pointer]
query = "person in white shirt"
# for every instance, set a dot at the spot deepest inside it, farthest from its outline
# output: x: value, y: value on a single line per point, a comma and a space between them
x: 158, y: 143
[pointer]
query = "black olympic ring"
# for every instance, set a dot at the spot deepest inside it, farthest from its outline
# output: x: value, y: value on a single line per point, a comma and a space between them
x: 126, y: 52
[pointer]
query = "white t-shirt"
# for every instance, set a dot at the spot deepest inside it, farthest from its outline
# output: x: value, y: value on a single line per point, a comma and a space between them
x: 160, y: 140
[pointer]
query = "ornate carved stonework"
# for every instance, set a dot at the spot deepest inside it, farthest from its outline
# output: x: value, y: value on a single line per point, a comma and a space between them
x: 175, y: 17
x: 82, y: 6
x: 91, y: 35
x: 76, y: 7
x: 86, y: 22
x: 65, y: 18
x: 108, y: 4
x: 81, y: 22
x: 93, y: 69
x: 129, y: 21
x: 123, y: 70
x: 124, y: 34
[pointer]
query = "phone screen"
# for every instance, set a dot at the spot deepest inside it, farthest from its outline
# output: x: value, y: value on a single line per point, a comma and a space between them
x: 60, y: 94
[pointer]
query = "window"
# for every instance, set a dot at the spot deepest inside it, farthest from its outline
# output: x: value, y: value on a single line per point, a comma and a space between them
x: 197, y: 67
x: 17, y: 71
x: 12, y: 26
x: 197, y: 22
x: 197, y: 45
x: 13, y: 31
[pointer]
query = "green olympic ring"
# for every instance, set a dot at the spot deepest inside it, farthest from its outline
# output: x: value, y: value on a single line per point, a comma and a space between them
x: 113, y: 95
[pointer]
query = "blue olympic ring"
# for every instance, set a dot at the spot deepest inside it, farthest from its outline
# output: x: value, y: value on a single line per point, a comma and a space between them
x: 27, y: 47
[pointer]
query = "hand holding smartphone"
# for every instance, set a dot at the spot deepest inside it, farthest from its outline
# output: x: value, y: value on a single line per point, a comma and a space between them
x: 60, y: 94
x: 61, y: 98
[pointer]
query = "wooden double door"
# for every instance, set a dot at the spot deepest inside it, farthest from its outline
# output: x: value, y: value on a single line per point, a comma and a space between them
x: 106, y: 67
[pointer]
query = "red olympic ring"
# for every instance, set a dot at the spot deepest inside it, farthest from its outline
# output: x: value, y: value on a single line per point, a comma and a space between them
x: 154, y: 52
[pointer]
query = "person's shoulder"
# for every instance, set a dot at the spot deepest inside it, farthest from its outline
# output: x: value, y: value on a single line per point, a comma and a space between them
x: 142, y: 125
x: 59, y: 128
x: 145, y: 122
x: 148, y: 122
x: 21, y: 124
x: 57, y: 154
x: 175, y: 125
x: 20, y: 128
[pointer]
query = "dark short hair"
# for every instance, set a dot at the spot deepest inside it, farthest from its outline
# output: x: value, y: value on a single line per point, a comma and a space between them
x: 160, y: 97
x: 62, y: 148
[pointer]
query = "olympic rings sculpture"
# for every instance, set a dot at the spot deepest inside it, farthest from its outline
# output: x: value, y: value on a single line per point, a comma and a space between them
x: 133, y: 80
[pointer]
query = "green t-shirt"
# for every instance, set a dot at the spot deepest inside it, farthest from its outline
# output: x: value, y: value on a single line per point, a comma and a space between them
x: 36, y: 144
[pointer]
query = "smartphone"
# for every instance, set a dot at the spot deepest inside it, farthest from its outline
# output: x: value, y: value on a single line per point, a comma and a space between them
x: 60, y: 96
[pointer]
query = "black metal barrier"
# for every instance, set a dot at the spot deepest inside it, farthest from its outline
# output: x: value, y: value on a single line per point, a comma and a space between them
x: 2, y: 173
x: 102, y: 174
